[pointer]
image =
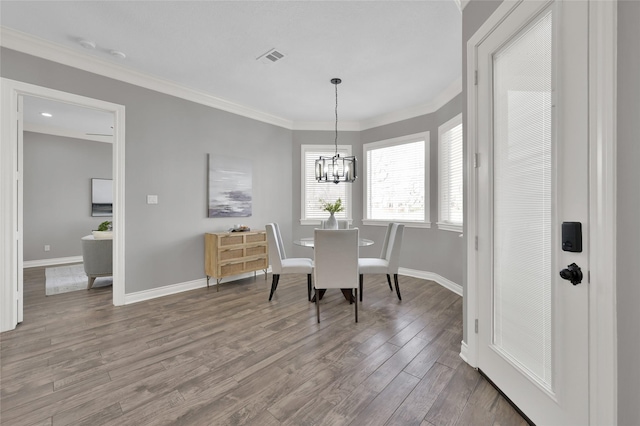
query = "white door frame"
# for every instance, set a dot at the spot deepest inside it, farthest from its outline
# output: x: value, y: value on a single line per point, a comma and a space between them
x: 11, y: 199
x: 602, y: 204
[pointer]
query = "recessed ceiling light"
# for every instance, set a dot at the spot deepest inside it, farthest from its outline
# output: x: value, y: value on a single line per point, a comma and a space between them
x: 46, y: 114
x: 117, y: 54
x: 87, y: 44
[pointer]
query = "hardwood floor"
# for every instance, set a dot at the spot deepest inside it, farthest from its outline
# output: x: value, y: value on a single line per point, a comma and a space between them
x: 231, y: 357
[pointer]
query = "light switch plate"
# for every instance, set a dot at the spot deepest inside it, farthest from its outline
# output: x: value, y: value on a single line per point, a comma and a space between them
x: 152, y: 199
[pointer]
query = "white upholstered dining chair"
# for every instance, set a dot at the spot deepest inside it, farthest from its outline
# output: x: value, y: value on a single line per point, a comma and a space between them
x: 281, y: 264
x: 388, y: 261
x: 336, y: 262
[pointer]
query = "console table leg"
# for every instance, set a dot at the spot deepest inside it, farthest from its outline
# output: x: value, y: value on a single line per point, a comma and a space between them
x: 207, y: 281
x: 218, y: 284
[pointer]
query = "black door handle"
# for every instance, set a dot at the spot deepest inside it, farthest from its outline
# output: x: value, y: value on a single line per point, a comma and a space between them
x: 572, y: 273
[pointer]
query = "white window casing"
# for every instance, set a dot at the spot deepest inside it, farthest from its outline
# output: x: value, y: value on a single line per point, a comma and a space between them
x: 396, y: 181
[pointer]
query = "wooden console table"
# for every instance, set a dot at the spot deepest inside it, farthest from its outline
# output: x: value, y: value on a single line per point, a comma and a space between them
x: 234, y: 253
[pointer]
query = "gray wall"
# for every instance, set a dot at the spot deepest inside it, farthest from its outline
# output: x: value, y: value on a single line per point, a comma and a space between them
x: 167, y: 141
x: 60, y: 169
x: 628, y: 210
x: 430, y: 250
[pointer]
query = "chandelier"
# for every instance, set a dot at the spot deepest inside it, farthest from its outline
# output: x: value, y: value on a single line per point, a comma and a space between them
x: 336, y: 169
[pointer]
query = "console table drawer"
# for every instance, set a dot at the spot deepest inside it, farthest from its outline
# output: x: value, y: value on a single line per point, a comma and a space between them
x: 231, y: 254
x: 256, y: 250
x: 256, y: 264
x: 231, y: 240
x: 231, y: 269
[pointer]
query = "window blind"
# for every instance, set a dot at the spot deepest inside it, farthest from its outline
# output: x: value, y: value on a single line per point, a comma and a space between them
x: 396, y: 182
x: 451, y: 195
x: 315, y: 191
x: 522, y: 200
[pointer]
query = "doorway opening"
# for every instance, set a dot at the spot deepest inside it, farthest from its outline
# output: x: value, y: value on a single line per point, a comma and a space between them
x: 12, y: 195
x: 67, y: 193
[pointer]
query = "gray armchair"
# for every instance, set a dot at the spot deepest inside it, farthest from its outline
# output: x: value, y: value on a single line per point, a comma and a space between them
x: 97, y: 256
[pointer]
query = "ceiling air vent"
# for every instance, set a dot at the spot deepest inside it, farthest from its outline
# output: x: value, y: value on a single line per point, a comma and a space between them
x: 271, y: 56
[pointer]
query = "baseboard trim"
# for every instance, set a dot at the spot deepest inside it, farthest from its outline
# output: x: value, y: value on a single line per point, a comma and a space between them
x: 141, y: 296
x: 168, y: 290
x: 50, y: 262
x: 432, y: 276
x: 464, y: 350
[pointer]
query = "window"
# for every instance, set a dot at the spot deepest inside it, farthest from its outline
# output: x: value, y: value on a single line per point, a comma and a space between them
x: 450, y: 175
x: 396, y: 186
x: 313, y: 191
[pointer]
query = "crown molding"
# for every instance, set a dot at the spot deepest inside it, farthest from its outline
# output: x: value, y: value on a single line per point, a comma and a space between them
x: 343, y: 126
x: 66, y: 133
x: 21, y: 42
x: 35, y: 46
x: 454, y: 89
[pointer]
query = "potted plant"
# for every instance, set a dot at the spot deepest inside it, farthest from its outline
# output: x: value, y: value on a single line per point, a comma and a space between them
x: 332, y: 208
x: 104, y: 231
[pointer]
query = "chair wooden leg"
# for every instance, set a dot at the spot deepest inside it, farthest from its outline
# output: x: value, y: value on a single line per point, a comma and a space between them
x: 361, y: 282
x: 356, y: 303
x: 274, y: 285
x: 318, y: 305
x: 389, y: 281
x: 395, y: 278
x: 90, y: 283
x: 309, y: 286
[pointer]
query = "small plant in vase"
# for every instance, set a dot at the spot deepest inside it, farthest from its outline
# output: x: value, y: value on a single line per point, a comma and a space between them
x: 105, y: 226
x: 332, y: 208
x: 105, y: 231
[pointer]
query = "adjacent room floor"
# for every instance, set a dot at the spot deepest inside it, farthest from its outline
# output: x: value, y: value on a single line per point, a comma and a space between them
x: 231, y: 357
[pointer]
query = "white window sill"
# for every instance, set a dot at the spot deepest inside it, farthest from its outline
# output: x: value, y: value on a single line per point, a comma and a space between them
x: 449, y: 227
x: 406, y: 224
x: 318, y: 222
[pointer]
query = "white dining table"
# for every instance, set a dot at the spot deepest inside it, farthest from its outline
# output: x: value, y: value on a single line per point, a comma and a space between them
x: 308, y: 242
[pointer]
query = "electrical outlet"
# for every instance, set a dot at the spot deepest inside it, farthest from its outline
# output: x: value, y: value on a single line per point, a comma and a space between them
x: 47, y: 247
x: 152, y: 199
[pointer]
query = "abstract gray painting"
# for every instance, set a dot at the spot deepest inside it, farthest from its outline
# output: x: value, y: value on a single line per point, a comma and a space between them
x: 230, y: 182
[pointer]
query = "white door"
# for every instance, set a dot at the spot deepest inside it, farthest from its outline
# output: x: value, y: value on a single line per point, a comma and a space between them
x: 533, y: 176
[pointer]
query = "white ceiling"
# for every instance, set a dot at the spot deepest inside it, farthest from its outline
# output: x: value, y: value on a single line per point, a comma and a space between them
x: 391, y: 55
x: 67, y: 120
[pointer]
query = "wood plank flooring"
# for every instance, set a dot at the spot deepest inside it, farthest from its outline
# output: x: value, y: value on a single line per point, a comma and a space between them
x: 232, y: 357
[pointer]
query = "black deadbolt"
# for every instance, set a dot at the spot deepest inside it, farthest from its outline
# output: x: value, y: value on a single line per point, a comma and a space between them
x: 572, y: 273
x: 572, y: 236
